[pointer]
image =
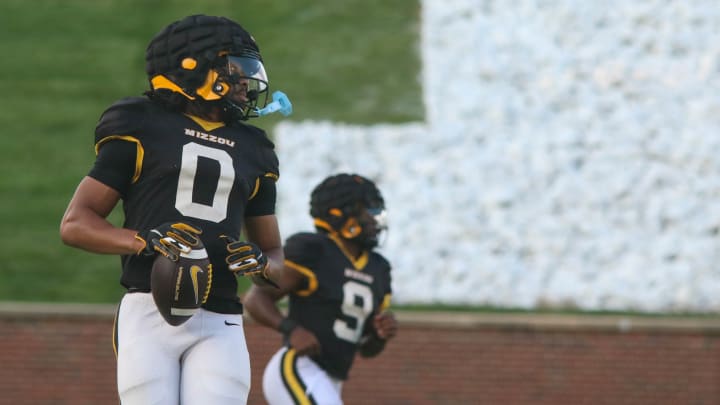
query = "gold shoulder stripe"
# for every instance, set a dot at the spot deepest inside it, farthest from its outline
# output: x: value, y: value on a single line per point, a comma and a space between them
x: 138, y: 156
x: 386, y: 302
x: 273, y: 176
x: 312, y: 279
x: 256, y: 189
x: 257, y: 183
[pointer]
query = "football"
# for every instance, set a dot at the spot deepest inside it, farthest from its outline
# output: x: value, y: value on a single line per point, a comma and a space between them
x: 180, y: 287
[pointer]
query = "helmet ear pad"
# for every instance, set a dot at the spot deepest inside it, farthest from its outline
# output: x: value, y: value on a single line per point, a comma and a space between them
x: 214, y: 87
x: 346, y: 226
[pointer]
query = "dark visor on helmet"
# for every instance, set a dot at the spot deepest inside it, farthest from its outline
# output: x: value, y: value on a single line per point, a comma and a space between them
x: 242, y: 67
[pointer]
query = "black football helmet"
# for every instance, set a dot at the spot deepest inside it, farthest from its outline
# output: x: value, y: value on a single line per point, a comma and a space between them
x: 210, y: 61
x: 350, y: 206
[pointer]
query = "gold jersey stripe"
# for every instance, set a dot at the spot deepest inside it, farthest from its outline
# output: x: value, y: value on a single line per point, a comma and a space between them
x: 206, y: 125
x: 273, y: 176
x: 138, y: 156
x: 256, y: 189
x: 386, y: 302
x: 358, y: 263
x: 312, y: 278
x: 257, y: 183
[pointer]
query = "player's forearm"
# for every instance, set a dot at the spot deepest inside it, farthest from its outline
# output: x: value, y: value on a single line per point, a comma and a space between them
x: 95, y: 234
x: 371, y: 346
x: 262, y: 307
x: 85, y: 226
x: 275, y: 266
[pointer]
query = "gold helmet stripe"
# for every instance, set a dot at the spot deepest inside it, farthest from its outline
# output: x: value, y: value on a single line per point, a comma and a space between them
x: 162, y: 82
x: 322, y: 224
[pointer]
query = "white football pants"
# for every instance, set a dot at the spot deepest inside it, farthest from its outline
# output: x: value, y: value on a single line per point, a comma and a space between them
x: 289, y: 379
x: 203, y: 361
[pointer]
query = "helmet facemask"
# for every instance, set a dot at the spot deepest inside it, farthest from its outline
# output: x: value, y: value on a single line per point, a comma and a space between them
x: 242, y: 85
x: 374, y: 226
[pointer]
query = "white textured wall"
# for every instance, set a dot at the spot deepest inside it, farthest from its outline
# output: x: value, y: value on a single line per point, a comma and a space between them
x: 569, y: 157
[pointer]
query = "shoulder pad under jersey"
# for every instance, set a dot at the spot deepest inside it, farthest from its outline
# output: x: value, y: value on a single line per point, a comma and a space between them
x: 385, y: 263
x: 303, y: 246
x: 259, y: 134
x: 124, y: 117
x: 263, y: 149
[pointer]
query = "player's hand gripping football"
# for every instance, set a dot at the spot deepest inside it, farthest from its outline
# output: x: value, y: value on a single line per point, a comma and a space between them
x: 245, y: 258
x: 169, y: 239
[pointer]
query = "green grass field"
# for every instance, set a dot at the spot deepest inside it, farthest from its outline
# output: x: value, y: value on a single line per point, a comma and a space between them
x: 64, y: 61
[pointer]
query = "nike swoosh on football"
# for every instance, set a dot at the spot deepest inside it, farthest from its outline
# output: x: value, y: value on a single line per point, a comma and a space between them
x: 194, y: 270
x: 231, y: 324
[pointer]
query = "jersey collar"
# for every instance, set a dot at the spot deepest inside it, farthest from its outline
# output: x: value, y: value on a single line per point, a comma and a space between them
x: 358, y: 263
x: 206, y: 125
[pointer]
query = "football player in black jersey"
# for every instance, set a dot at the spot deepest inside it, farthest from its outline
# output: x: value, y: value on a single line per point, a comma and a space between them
x: 338, y: 292
x: 185, y: 164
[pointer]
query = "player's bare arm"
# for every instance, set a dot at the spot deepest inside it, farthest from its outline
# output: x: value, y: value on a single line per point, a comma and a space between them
x: 85, y: 226
x: 264, y: 232
x: 261, y: 301
x: 382, y: 328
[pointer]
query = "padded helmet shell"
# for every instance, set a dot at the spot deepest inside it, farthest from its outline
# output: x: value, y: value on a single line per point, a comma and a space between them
x: 337, y: 202
x: 187, y: 49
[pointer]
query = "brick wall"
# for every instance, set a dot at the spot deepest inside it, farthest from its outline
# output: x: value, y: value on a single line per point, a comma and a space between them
x: 62, y: 354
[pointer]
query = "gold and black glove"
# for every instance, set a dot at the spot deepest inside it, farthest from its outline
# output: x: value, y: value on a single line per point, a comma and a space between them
x: 169, y: 239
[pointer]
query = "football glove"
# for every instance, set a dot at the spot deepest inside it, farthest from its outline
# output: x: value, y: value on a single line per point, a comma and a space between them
x: 245, y: 258
x: 169, y: 239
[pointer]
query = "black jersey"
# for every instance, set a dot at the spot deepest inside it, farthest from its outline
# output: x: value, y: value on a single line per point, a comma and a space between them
x: 182, y: 169
x: 340, y: 296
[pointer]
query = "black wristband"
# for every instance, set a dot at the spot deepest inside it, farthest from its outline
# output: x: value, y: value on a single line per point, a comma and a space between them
x: 371, y: 345
x: 286, y: 326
